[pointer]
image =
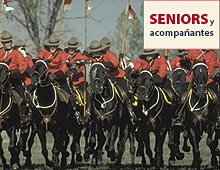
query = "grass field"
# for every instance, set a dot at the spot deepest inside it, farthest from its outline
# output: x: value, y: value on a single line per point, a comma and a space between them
x: 38, y: 160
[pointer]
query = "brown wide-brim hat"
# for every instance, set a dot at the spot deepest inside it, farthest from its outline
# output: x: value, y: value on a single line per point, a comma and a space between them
x: 6, y: 36
x: 53, y: 41
x: 95, y: 46
x: 19, y: 43
x: 106, y: 41
x: 147, y: 52
x: 182, y: 51
x: 72, y: 43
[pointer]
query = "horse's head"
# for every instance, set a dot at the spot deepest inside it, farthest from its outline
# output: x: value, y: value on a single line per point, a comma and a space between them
x: 145, y: 85
x: 179, y: 77
x: 39, y: 74
x: 200, y: 77
x: 97, y: 77
x: 4, y: 72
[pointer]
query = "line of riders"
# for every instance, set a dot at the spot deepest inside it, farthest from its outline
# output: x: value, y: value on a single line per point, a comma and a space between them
x: 61, y: 66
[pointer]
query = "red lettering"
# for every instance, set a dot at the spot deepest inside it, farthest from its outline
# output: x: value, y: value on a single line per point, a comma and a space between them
x: 170, y: 19
x: 161, y: 18
x: 178, y: 18
x: 183, y: 19
x: 153, y: 17
x: 195, y: 18
x: 205, y: 20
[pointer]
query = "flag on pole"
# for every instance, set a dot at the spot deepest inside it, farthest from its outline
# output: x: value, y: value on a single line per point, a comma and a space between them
x: 67, y: 5
x: 132, y: 14
x: 7, y: 1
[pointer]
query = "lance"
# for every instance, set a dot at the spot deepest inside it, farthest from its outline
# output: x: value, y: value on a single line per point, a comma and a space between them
x: 123, y: 42
x: 2, y: 17
x: 168, y: 63
x: 84, y: 93
x: 61, y: 19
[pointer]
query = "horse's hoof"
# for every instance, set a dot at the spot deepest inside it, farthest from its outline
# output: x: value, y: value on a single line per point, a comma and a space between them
x: 179, y: 156
x: 27, y: 163
x: 70, y: 166
x: 6, y: 167
x: 86, y: 157
x: 196, y: 164
x: 143, y: 162
x: 186, y: 148
x: 171, y: 163
x: 78, y: 158
x: 15, y: 166
x: 139, y: 153
x: 214, y: 161
x: 153, y: 162
x: 49, y: 164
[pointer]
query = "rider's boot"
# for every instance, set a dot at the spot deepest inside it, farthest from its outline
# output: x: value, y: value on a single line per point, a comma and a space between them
x: 130, y: 109
x: 73, y: 105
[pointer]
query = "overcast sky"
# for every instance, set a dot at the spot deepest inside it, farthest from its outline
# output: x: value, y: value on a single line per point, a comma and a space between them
x: 104, y: 11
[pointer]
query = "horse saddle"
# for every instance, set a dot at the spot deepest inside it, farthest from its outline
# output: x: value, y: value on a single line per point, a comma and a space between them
x: 168, y: 95
x: 213, y: 96
x: 16, y: 98
x: 120, y: 92
x: 63, y: 95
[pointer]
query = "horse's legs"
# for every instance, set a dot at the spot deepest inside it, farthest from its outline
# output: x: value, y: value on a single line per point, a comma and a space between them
x: 160, y: 137
x: 30, y: 141
x: 146, y: 140
x: 44, y: 151
x: 4, y: 162
x: 86, y: 136
x: 73, y: 147
x: 78, y: 148
x: 101, y: 142
x: 121, y: 143
x: 131, y: 139
x: 92, y: 139
x: 212, y: 144
x: 140, y: 150
x: 112, y: 135
x: 185, y: 147
x: 196, y: 154
x: 14, y: 161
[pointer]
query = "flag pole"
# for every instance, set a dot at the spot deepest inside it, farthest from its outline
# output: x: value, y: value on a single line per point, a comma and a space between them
x: 123, y: 43
x: 61, y: 19
x: 84, y: 93
x: 2, y: 17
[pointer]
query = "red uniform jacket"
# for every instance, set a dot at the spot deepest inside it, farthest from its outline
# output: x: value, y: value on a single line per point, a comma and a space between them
x: 18, y: 60
x: 210, y: 58
x: 25, y: 76
x: 76, y: 79
x: 58, y: 61
x: 156, y: 66
x: 43, y: 52
x: 115, y: 72
x: 175, y: 62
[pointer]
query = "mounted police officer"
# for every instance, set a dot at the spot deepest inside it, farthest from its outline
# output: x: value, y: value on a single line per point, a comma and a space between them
x: 101, y: 52
x: 179, y: 59
x: 17, y: 66
x: 210, y: 58
x: 57, y: 63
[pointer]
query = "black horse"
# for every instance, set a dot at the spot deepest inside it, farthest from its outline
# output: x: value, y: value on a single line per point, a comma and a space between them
x: 9, y: 116
x: 200, y: 113
x: 107, y: 114
x: 155, y: 111
x: 49, y: 114
x: 178, y: 78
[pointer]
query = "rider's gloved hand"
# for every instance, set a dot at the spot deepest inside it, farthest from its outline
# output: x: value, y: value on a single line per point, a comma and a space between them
x: 108, y: 64
x: 16, y: 72
x: 121, y: 56
x: 157, y: 79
